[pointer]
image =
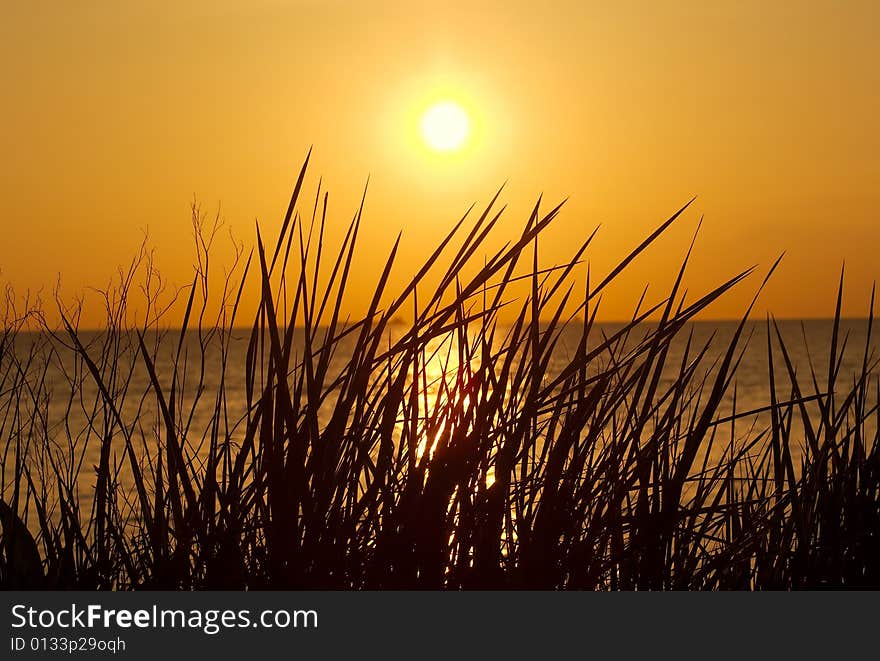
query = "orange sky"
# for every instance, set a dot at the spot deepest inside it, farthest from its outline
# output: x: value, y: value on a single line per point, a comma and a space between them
x: 115, y: 115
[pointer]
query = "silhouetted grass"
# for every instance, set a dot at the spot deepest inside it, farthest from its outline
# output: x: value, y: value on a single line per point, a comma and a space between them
x: 450, y: 451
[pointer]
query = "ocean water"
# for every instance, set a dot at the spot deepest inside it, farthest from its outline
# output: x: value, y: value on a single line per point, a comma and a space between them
x: 50, y: 402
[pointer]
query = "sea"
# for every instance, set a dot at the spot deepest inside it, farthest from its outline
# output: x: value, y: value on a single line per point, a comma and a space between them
x: 50, y: 402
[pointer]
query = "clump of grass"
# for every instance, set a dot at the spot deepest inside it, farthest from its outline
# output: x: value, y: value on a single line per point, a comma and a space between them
x: 455, y: 450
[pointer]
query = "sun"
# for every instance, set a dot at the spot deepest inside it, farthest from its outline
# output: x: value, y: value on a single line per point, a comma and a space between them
x: 445, y: 126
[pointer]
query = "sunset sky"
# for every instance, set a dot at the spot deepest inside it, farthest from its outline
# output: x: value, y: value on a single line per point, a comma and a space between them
x: 116, y: 115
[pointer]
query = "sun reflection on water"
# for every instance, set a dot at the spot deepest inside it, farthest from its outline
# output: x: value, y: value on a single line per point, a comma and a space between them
x: 445, y: 398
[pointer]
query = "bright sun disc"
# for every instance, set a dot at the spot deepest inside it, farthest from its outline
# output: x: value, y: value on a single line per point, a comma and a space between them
x: 445, y: 126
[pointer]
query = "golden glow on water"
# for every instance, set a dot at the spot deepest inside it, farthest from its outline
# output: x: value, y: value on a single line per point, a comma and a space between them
x: 441, y: 372
x: 446, y: 381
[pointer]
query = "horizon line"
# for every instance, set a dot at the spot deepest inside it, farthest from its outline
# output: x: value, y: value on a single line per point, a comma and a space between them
x: 720, y: 320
